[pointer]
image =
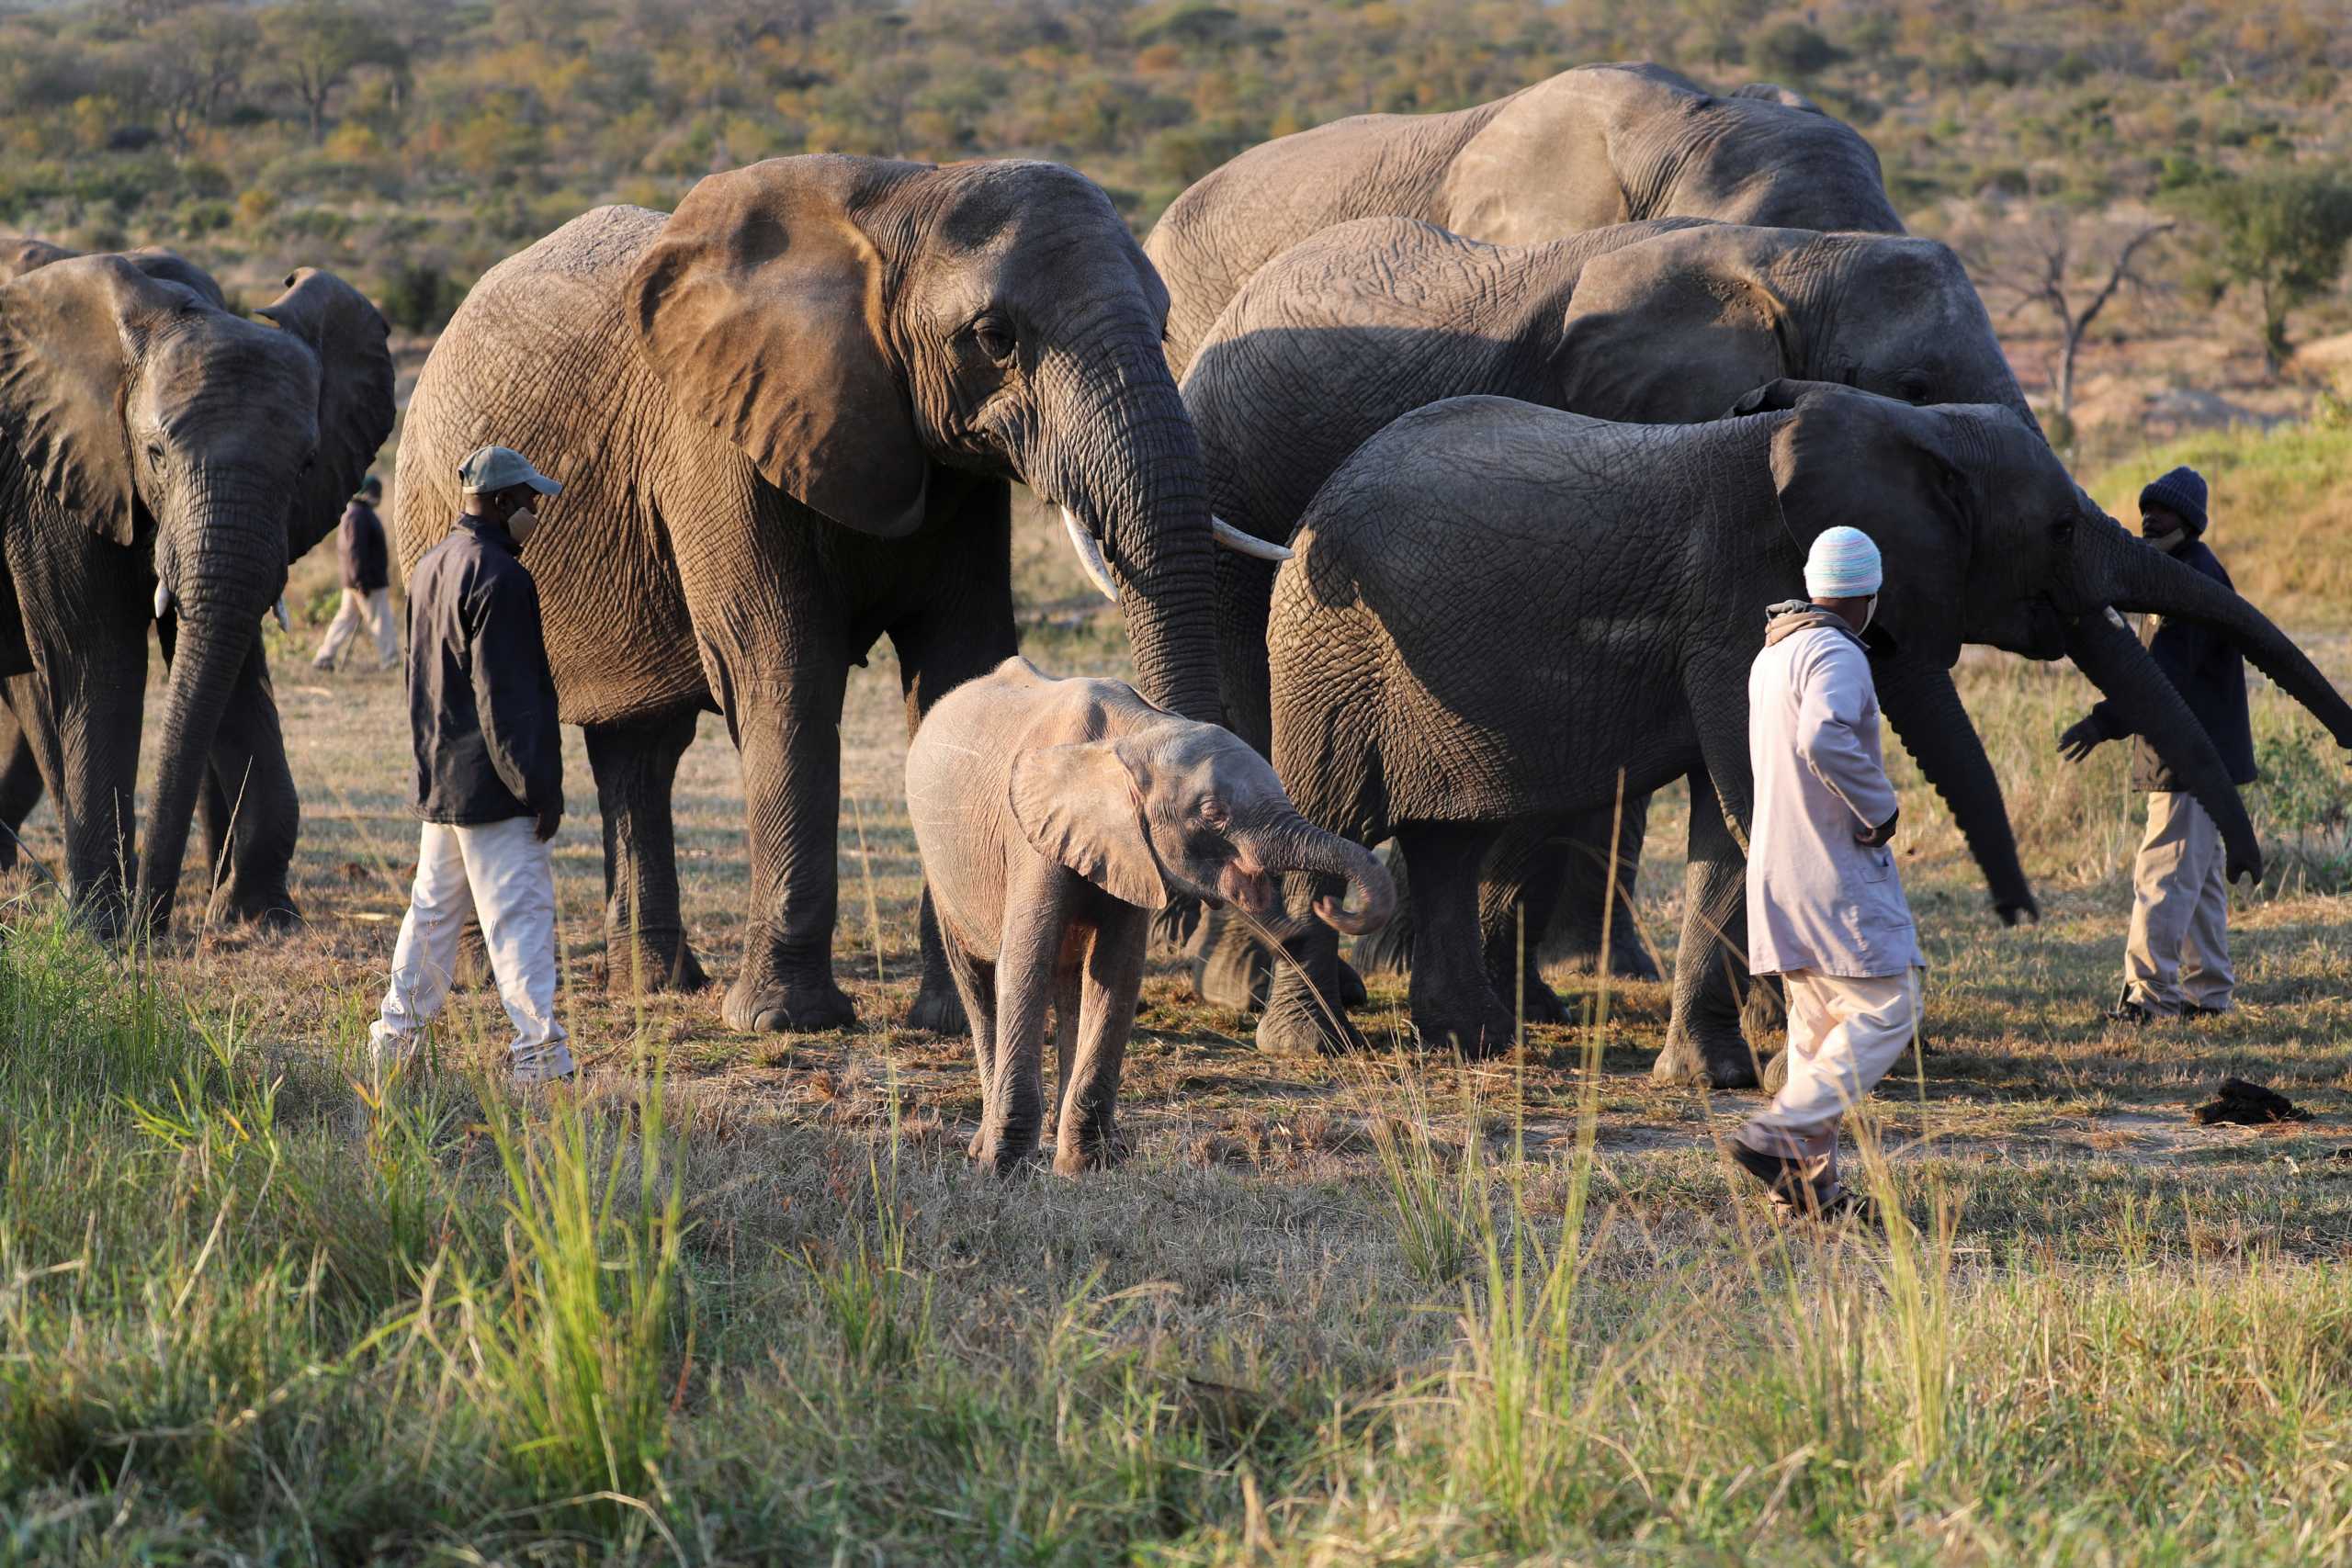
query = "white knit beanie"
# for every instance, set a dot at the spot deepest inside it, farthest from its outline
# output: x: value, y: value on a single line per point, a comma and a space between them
x: 1843, y: 564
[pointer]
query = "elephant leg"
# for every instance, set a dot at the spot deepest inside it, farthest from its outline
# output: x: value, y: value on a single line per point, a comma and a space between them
x: 1028, y: 968
x: 1515, y: 897
x: 80, y: 713
x: 249, y: 809
x: 1088, y: 1136
x: 21, y: 785
x: 1306, y: 1006
x: 1703, y: 1043
x: 789, y: 735
x: 1575, y: 937
x: 975, y: 981
x: 636, y: 764
x: 1453, y: 1004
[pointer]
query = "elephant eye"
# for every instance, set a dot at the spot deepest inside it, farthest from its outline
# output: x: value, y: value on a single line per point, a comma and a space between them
x: 994, y: 337
x: 2062, y: 530
x: 1213, y: 811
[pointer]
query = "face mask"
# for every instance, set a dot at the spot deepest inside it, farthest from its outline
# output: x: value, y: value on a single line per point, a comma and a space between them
x: 521, y: 525
x: 1870, y: 613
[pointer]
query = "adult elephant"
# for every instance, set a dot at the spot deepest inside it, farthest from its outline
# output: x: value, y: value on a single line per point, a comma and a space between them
x: 1497, y: 610
x: 786, y: 416
x: 1596, y: 145
x: 1660, y: 323
x: 162, y: 459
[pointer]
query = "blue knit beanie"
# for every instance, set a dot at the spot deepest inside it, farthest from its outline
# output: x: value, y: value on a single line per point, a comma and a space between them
x: 1842, y: 564
x: 2180, y: 492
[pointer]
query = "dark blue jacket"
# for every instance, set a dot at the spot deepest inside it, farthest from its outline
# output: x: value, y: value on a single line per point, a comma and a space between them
x: 2205, y: 668
x: 480, y: 699
x: 359, y: 546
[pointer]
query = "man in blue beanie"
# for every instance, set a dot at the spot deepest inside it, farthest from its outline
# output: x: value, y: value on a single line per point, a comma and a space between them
x: 1826, y: 909
x: 2177, y: 961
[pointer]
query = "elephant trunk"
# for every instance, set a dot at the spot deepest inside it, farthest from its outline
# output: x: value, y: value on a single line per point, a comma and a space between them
x: 1925, y: 708
x: 1124, y: 466
x: 2115, y: 663
x: 1295, y: 844
x: 219, y: 590
x: 2141, y: 578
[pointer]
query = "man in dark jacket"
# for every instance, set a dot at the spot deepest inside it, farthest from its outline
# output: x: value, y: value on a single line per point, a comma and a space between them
x: 2178, y: 958
x: 488, y: 773
x: 366, y: 581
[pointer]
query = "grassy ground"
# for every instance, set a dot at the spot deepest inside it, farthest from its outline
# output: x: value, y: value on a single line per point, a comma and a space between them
x: 743, y: 1300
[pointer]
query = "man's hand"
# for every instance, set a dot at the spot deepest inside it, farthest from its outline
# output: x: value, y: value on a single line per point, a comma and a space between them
x: 1873, y: 837
x: 550, y: 817
x: 2081, y: 739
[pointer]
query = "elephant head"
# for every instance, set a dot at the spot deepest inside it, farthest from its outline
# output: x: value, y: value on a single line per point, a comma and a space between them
x: 855, y: 325
x: 1988, y: 539
x: 1673, y: 329
x: 1180, y: 808
x: 208, y: 444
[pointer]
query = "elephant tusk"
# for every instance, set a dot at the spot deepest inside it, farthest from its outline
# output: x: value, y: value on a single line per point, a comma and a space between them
x: 1242, y: 544
x: 1089, y: 556
x: 163, y: 600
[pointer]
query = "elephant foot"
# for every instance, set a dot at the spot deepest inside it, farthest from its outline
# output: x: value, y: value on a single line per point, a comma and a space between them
x: 938, y: 1009
x: 1482, y: 1029
x: 1305, y: 1032
x: 1080, y: 1155
x: 1349, y: 992
x: 271, y: 913
x: 1008, y: 1152
x: 663, y: 961
x: 1537, y: 1001
x: 1718, y: 1058
x: 1627, y: 961
x: 779, y: 1008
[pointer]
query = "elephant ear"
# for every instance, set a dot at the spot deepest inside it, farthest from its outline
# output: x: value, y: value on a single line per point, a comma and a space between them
x: 65, y: 335
x: 1894, y: 472
x: 1672, y: 330
x: 1079, y: 805
x: 353, y: 346
x: 761, y: 307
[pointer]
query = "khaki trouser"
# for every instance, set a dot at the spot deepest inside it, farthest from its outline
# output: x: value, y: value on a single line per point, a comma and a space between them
x: 500, y: 872
x: 1844, y: 1035
x: 374, y: 607
x: 2179, y: 948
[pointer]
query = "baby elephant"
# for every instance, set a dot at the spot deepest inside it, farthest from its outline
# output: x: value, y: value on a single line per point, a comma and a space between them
x: 1055, y: 818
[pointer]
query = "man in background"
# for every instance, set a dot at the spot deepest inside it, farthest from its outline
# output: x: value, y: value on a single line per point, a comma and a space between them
x: 1826, y: 909
x: 366, y: 581
x: 2177, y: 959
x: 488, y: 773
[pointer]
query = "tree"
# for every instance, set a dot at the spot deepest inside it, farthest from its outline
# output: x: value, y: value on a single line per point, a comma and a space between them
x: 2280, y: 234
x: 2071, y: 266
x: 317, y: 44
x: 195, y: 58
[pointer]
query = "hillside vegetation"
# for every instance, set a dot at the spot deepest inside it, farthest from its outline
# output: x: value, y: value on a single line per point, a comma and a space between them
x: 411, y: 143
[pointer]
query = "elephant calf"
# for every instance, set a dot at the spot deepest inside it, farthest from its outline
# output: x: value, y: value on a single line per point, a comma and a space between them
x: 1054, y: 818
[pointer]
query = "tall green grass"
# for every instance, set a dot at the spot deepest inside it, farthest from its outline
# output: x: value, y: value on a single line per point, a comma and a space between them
x: 250, y: 1310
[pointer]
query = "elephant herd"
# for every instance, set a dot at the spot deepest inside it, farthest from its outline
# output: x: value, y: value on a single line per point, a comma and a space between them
x: 1545, y: 397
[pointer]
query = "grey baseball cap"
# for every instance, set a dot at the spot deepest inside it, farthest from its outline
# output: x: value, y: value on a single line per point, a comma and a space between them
x: 502, y: 467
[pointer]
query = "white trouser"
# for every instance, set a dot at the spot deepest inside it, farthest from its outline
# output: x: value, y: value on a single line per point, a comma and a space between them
x: 499, y: 871
x: 374, y: 607
x: 2179, y: 948
x: 1843, y: 1036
